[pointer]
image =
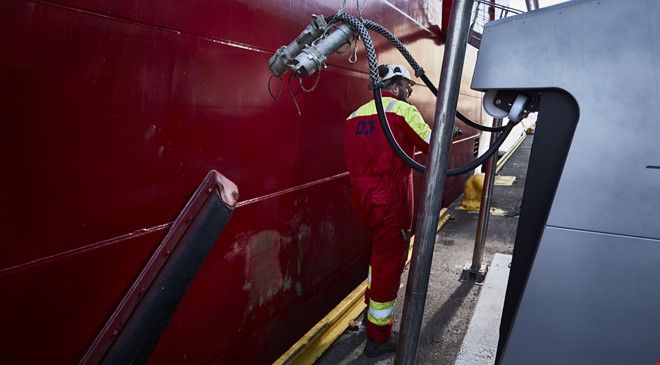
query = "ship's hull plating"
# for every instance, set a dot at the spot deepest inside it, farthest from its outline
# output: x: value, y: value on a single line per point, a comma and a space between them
x: 114, y: 111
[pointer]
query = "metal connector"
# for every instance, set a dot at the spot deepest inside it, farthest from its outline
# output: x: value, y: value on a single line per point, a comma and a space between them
x: 280, y: 62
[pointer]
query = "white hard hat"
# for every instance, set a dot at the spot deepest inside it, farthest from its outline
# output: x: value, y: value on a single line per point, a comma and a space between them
x: 387, y: 72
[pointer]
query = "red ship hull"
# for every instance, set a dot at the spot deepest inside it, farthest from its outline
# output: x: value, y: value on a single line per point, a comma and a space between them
x: 114, y: 111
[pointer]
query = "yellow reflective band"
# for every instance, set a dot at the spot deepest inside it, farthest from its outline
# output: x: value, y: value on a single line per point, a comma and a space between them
x: 414, y: 119
x: 380, y: 306
x: 380, y: 313
x: 407, y: 111
x: 369, y: 278
x: 369, y: 108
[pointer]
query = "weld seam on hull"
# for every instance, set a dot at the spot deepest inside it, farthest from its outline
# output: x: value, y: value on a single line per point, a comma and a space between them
x: 289, y: 190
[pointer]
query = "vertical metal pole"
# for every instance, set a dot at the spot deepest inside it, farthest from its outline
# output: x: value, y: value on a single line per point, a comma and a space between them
x: 477, y: 266
x: 532, y: 4
x: 427, y: 219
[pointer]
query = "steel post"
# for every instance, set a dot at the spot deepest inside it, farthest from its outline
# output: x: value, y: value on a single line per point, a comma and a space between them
x: 476, y: 270
x: 532, y: 4
x: 427, y: 219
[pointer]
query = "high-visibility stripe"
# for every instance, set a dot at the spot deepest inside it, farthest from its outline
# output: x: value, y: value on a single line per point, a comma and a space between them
x: 391, y: 105
x: 378, y: 321
x: 380, y: 306
x: 369, y: 278
x: 407, y: 111
x: 415, y: 120
x: 380, y: 313
x: 370, y: 108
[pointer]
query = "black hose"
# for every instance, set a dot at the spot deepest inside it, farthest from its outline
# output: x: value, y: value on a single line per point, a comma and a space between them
x: 368, y: 44
x: 460, y: 116
x: 478, y: 126
x: 397, y: 43
x: 378, y: 98
x: 419, y: 72
x: 376, y: 85
x: 481, y: 159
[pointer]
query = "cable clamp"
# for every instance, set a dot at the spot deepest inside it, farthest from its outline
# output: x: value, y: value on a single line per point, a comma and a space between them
x: 378, y: 85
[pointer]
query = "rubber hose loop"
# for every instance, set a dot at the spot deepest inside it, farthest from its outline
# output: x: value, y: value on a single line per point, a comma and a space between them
x: 376, y: 85
x: 488, y: 154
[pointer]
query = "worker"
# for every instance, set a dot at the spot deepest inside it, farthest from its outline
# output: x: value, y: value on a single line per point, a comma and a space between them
x: 382, y: 195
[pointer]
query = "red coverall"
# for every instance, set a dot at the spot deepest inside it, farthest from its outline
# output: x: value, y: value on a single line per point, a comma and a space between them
x: 382, y: 197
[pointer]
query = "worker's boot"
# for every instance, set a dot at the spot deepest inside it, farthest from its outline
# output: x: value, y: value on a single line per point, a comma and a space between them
x: 373, y: 348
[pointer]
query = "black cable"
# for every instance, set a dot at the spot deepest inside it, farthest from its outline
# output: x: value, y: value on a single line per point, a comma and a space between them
x: 376, y: 85
x: 378, y: 98
x: 275, y: 97
x: 488, y: 154
x: 478, y: 126
x: 419, y: 72
x: 366, y: 39
x: 460, y: 116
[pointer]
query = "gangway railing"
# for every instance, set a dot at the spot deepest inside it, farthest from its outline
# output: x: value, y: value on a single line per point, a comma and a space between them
x: 483, y: 12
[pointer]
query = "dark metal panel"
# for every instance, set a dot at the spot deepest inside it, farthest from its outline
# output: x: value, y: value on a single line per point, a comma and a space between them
x: 589, y: 299
x: 559, y: 114
x: 611, y: 92
x: 604, y: 195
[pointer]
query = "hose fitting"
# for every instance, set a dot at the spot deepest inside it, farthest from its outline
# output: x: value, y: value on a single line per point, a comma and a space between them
x: 280, y: 62
x: 312, y: 57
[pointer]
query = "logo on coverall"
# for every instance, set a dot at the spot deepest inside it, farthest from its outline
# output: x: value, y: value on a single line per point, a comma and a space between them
x: 365, y: 127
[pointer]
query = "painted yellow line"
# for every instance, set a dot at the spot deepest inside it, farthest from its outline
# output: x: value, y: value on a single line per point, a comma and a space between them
x: 502, y: 180
x: 314, y: 343
x: 510, y: 152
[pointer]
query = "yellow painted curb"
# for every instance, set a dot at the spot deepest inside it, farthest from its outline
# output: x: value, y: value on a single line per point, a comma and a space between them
x: 510, y: 152
x: 314, y: 343
x: 502, y: 180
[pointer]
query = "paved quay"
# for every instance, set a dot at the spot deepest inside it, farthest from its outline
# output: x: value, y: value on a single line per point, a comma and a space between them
x: 461, y: 319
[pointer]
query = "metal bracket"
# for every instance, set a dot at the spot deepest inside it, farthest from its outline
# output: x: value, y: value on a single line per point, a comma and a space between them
x: 478, y: 275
